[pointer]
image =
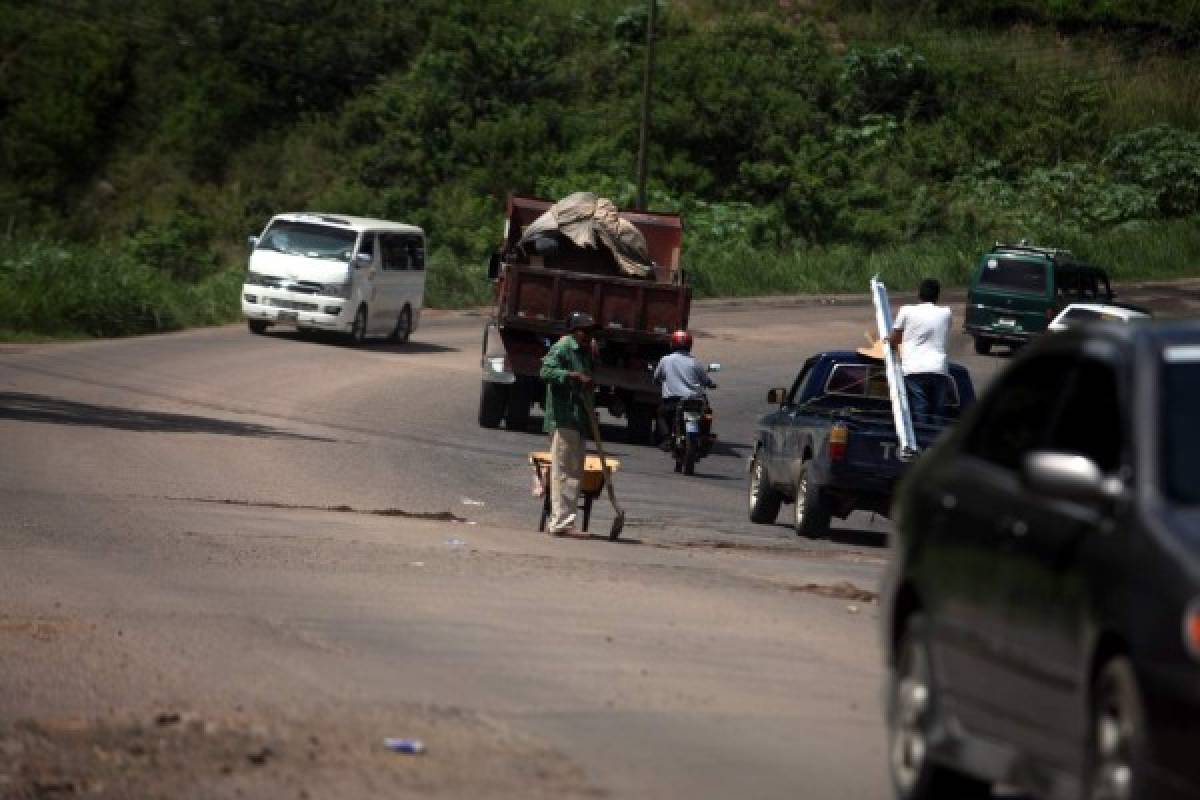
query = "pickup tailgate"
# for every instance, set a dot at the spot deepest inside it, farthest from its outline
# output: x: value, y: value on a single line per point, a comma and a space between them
x: 872, y: 450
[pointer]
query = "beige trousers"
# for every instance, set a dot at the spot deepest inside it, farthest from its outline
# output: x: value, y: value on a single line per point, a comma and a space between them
x: 566, y: 468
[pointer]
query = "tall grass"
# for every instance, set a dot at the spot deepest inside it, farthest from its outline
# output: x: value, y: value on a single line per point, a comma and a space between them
x: 51, y: 289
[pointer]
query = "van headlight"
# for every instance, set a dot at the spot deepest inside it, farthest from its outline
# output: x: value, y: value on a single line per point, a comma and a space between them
x: 336, y: 289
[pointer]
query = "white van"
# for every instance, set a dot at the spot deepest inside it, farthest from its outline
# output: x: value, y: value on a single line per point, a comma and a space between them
x: 364, y: 277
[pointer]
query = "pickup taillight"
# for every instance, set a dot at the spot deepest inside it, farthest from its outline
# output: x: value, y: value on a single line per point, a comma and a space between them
x: 839, y: 437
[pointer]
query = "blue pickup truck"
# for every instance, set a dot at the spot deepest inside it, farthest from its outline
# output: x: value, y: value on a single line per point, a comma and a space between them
x: 831, y: 446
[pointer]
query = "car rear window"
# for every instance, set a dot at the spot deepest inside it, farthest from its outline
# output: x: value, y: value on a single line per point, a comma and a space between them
x: 1014, y: 275
x: 1180, y: 435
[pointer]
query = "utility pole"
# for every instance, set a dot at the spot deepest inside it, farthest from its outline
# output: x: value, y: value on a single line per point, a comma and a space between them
x: 644, y: 134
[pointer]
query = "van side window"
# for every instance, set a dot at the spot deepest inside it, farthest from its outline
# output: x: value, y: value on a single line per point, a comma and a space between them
x: 395, y: 251
x: 367, y: 245
x: 415, y: 246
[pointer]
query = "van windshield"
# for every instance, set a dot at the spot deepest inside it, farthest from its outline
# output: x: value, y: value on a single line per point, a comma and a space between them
x: 307, y: 239
x: 1179, y: 433
x: 1014, y: 275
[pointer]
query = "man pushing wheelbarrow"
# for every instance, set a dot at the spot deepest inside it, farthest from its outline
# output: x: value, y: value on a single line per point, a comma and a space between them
x: 567, y: 372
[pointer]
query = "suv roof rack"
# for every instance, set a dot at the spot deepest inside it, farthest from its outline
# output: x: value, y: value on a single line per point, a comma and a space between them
x: 1024, y: 246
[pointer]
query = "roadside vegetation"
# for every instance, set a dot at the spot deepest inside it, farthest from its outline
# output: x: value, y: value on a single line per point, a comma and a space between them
x: 809, y: 144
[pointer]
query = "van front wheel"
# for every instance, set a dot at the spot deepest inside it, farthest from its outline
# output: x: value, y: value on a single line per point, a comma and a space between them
x: 358, y: 331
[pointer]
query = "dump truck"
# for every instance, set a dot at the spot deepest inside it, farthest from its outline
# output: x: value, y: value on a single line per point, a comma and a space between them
x: 540, y: 279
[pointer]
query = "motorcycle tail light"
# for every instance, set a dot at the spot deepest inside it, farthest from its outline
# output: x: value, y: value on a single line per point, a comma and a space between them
x: 839, y: 437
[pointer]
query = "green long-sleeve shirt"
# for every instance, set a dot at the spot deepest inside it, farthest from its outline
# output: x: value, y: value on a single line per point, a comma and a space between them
x: 564, y: 406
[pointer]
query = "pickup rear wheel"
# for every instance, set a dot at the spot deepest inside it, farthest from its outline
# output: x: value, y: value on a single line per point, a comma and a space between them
x: 811, y: 519
x: 640, y: 423
x: 764, y: 501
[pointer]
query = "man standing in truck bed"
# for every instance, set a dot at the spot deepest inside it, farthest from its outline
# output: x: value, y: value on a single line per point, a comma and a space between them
x: 921, y: 331
x: 567, y: 371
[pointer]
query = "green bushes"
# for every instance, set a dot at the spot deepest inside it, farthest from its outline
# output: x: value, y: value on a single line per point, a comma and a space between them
x: 52, y: 290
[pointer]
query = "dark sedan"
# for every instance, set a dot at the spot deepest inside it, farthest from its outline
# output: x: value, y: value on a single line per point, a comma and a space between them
x: 1042, y: 600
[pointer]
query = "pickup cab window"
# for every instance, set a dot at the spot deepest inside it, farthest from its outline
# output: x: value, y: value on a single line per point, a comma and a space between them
x: 870, y: 381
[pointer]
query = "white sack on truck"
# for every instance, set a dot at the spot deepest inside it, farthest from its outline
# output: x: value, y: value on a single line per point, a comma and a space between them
x: 590, y: 221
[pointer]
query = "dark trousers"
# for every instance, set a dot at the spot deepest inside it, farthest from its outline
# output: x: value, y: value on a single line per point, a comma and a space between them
x: 666, y: 418
x: 926, y: 395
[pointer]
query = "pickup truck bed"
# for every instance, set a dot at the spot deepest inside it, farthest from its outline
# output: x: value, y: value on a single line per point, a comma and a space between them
x: 831, y: 447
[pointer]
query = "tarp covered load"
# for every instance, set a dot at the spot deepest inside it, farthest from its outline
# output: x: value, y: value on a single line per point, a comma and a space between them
x: 589, y: 221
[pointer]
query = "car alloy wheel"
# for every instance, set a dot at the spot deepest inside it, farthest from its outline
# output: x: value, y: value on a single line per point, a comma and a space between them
x: 1116, y: 732
x: 912, y: 717
x: 909, y: 745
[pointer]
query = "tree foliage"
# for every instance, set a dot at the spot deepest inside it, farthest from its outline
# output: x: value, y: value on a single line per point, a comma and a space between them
x: 172, y: 128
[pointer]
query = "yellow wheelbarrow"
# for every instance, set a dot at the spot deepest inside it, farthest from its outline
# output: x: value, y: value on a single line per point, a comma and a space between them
x: 590, y: 485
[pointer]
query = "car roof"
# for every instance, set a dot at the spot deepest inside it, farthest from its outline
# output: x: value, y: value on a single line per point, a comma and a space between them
x: 1155, y: 334
x: 1106, y: 308
x: 349, y: 222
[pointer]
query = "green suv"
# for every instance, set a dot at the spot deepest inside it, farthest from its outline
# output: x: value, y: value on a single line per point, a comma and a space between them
x: 1016, y: 289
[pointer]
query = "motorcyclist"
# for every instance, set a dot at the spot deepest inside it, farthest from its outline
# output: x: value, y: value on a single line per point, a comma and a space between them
x: 681, y: 376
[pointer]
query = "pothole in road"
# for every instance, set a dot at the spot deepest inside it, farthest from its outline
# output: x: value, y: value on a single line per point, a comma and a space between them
x: 843, y: 590
x: 437, y: 516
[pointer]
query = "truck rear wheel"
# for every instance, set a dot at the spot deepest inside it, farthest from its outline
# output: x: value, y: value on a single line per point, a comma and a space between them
x: 764, y: 501
x: 811, y: 519
x: 493, y: 398
x: 520, y: 399
x: 640, y: 425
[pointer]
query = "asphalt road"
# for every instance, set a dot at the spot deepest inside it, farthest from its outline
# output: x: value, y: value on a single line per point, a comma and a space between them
x: 230, y: 565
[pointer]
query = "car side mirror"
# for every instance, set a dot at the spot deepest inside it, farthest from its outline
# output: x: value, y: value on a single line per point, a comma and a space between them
x: 252, y: 242
x: 1069, y: 477
x: 363, y: 259
x: 714, y: 367
x: 776, y: 396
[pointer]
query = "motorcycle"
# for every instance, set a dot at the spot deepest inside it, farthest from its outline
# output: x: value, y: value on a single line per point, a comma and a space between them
x: 692, y: 435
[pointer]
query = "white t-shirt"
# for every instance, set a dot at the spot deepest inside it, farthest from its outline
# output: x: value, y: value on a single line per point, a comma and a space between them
x: 923, y: 346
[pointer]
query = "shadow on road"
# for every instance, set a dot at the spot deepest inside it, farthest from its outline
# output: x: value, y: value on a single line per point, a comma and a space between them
x: 40, y: 408
x: 370, y: 345
x: 858, y: 538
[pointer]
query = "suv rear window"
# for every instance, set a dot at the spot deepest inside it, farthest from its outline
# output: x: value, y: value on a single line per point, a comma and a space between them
x: 1014, y: 275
